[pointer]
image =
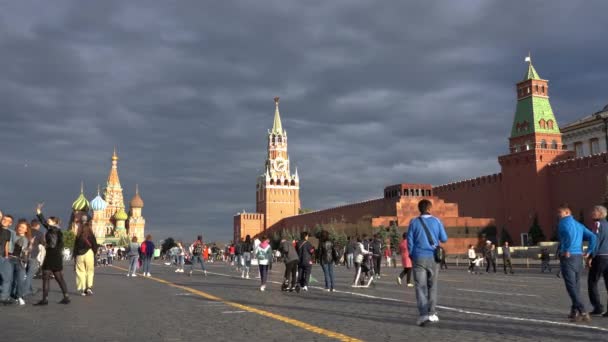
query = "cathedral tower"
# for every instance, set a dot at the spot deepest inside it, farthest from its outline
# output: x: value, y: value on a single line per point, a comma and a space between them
x: 136, y: 223
x: 278, y: 190
x: 113, y: 191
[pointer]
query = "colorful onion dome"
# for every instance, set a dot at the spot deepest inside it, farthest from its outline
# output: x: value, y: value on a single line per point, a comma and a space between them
x: 136, y: 201
x: 121, y: 215
x: 81, y: 203
x: 98, y: 204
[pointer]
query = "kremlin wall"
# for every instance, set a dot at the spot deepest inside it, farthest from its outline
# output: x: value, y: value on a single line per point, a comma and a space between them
x: 537, y: 174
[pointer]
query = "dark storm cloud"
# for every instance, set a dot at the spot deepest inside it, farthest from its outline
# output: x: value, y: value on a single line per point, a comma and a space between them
x: 372, y: 93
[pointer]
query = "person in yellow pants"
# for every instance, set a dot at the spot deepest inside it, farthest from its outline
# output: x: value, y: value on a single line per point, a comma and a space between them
x: 85, y: 249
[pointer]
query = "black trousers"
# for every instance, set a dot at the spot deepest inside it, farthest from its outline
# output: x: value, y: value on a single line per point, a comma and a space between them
x: 599, y: 269
x: 291, y: 269
x: 490, y: 261
x: 506, y: 263
x: 407, y: 271
x: 377, y: 259
x: 304, y: 274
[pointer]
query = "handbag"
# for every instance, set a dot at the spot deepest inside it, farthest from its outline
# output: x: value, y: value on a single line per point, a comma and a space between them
x: 438, y: 252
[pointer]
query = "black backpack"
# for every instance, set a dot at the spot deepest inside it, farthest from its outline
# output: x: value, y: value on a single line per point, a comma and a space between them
x: 198, y: 249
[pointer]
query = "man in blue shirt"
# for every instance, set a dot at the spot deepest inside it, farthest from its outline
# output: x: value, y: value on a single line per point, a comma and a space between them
x: 422, y: 229
x: 571, y: 235
x: 598, y: 259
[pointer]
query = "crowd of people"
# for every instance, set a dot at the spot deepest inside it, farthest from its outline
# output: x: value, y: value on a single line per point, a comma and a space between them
x: 37, y: 246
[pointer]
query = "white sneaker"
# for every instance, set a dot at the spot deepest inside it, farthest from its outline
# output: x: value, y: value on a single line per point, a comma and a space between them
x: 410, y: 285
x: 243, y: 275
x: 422, y: 320
x: 247, y: 276
x: 148, y: 274
x: 205, y: 272
x: 20, y: 301
x: 399, y: 280
x: 128, y: 275
x: 305, y: 288
x: 433, y: 318
x: 177, y: 270
x: 263, y: 288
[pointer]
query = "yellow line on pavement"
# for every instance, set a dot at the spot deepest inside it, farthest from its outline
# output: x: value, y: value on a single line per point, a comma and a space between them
x: 284, y: 319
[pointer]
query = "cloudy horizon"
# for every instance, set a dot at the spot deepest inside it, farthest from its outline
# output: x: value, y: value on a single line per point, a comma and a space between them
x: 372, y: 94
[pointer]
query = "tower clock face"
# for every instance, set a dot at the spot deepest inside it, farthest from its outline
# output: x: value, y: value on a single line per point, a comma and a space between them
x: 279, y: 165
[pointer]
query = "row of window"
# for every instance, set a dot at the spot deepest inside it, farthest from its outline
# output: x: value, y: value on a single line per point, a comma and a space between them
x: 524, y: 126
x: 528, y: 90
x: 528, y: 145
x: 407, y: 192
x: 594, y: 147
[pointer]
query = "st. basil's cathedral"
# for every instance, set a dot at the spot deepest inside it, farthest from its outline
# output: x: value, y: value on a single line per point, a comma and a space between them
x: 110, y: 221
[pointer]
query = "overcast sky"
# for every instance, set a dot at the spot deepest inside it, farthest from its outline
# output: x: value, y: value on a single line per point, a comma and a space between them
x: 372, y: 93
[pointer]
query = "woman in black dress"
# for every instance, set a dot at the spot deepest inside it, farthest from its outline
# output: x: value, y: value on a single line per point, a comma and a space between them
x: 53, y: 262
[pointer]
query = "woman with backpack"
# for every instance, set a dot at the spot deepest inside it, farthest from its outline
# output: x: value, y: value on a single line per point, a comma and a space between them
x: 147, y: 252
x: 85, y: 248
x: 53, y: 261
x: 264, y: 254
x: 327, y: 258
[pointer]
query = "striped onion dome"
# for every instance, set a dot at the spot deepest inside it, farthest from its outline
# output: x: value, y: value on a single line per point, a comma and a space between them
x: 98, y: 204
x: 81, y: 203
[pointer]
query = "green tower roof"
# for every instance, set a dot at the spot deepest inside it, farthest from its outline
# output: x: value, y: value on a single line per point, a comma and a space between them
x: 531, y: 74
x: 531, y: 113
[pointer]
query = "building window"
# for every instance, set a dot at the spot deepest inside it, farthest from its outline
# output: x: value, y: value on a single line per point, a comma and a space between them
x: 542, y: 89
x: 543, y: 143
x: 527, y: 145
x: 542, y: 123
x: 550, y: 124
x: 554, y: 145
x: 578, y: 148
x: 537, y: 88
x: 595, y: 146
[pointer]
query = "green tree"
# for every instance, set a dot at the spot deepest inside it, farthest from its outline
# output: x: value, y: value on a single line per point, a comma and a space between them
x: 536, y: 233
x: 68, y: 239
x: 305, y: 211
x: 394, y: 236
x: 505, y: 236
x: 317, y: 230
x: 168, y: 243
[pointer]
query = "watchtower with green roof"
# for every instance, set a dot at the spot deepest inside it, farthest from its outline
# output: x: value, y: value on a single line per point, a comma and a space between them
x: 534, y: 124
x: 535, y: 142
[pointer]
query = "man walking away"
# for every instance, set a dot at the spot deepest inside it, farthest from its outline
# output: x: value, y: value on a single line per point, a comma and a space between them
x: 598, y: 259
x: 425, y: 233
x: 377, y: 256
x: 290, y: 257
x: 305, y: 254
x: 571, y: 235
x: 506, y: 258
x: 350, y: 253
x: 197, y: 255
x: 490, y: 260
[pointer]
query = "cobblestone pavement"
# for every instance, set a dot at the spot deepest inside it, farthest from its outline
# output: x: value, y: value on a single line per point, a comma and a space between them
x: 223, y: 307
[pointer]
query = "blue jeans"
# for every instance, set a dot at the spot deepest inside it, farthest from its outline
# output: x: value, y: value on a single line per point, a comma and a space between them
x: 350, y: 260
x: 197, y: 259
x: 19, y: 276
x: 328, y: 272
x: 32, y: 268
x: 6, y: 273
x: 425, y: 277
x: 263, y: 273
x: 572, y: 268
x: 147, y: 261
x: 180, y: 261
x: 133, y: 263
